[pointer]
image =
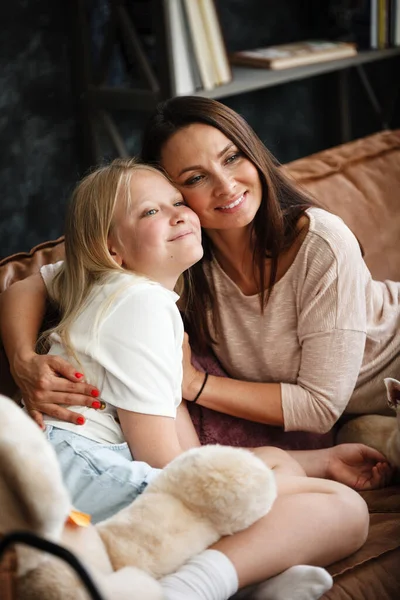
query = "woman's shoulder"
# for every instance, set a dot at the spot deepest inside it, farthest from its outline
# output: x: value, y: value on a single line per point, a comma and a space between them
x: 327, y: 230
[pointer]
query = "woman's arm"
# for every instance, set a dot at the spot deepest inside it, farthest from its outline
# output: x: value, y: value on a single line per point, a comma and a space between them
x: 259, y: 402
x: 22, y: 311
x: 45, y: 381
x: 328, y: 372
x: 355, y: 465
x: 331, y: 334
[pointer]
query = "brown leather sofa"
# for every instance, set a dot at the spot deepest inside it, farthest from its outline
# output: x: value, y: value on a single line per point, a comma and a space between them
x: 359, y: 181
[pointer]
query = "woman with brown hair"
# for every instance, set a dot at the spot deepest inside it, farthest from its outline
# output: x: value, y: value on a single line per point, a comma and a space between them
x: 282, y: 296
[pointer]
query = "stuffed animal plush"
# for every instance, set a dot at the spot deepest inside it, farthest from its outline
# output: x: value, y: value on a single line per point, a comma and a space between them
x: 379, y: 432
x: 202, y: 495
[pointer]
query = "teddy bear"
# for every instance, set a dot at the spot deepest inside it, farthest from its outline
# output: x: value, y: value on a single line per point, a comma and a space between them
x: 203, y: 494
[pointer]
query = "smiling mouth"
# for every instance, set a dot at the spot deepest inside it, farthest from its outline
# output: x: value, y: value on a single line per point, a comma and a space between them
x: 232, y: 204
x: 180, y: 236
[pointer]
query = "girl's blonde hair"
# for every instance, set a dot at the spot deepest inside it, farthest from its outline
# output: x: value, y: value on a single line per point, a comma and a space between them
x: 89, y: 222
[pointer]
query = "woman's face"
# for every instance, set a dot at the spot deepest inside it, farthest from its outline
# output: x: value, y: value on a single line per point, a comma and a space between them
x: 159, y: 236
x: 220, y: 184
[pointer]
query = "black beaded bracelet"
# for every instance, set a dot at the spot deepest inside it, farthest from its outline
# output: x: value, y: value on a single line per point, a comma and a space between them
x: 201, y: 389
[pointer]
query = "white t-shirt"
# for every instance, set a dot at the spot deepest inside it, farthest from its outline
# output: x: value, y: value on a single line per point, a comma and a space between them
x: 329, y: 333
x: 128, y: 341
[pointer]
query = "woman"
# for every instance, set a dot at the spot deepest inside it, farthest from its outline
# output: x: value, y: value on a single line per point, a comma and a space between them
x: 292, y: 310
x: 129, y: 236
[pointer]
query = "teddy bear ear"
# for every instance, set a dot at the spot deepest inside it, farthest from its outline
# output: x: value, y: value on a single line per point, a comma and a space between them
x: 392, y: 391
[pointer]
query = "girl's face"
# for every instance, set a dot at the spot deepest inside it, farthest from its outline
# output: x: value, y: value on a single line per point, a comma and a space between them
x: 220, y: 184
x: 159, y: 236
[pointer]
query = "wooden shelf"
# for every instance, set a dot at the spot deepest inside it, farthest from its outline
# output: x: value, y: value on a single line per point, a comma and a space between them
x: 95, y: 100
x: 246, y: 79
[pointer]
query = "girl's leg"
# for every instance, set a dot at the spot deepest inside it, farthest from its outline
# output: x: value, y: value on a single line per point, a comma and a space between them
x: 315, y: 527
x: 312, y: 522
x: 279, y: 461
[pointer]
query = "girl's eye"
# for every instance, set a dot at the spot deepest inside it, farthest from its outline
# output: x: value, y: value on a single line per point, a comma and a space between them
x: 150, y: 212
x: 180, y: 203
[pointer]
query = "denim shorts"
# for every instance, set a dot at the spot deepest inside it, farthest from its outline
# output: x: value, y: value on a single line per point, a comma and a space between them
x: 101, y: 478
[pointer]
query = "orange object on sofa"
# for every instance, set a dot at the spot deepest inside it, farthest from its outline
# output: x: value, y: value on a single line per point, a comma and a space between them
x: 360, y: 182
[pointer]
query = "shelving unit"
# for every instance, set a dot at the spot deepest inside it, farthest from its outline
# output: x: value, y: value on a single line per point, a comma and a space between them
x: 246, y: 79
x: 95, y: 99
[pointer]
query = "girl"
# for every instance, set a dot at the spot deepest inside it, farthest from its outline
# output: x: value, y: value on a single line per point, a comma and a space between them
x: 129, y: 238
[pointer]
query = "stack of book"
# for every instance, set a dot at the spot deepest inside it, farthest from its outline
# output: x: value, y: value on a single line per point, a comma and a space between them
x: 197, y: 51
x: 285, y: 56
x: 384, y: 23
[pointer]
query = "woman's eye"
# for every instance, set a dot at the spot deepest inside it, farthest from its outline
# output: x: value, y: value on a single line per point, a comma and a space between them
x: 150, y: 212
x: 233, y: 157
x: 193, y: 180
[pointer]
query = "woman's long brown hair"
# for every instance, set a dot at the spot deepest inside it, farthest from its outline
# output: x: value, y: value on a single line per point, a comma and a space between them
x: 274, y: 226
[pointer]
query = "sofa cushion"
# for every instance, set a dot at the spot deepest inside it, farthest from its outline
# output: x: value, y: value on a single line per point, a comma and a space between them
x: 360, y: 182
x: 21, y: 265
x: 372, y: 572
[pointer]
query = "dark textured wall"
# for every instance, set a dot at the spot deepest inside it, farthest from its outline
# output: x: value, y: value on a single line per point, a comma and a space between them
x: 37, y: 164
x: 38, y: 160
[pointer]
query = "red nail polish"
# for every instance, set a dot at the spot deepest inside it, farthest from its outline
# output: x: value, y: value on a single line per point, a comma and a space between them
x: 95, y: 393
x: 80, y: 420
x: 78, y: 375
x: 96, y: 404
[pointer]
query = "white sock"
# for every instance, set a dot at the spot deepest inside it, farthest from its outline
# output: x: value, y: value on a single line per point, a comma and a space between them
x: 301, y: 582
x: 207, y: 576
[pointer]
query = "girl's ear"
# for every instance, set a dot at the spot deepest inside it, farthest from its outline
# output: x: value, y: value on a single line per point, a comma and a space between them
x: 115, y: 255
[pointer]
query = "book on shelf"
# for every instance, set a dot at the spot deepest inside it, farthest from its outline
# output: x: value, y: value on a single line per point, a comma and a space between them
x: 183, y: 65
x: 296, y: 54
x: 196, y: 49
x: 202, y: 51
x: 216, y: 41
x: 376, y: 24
x: 394, y: 23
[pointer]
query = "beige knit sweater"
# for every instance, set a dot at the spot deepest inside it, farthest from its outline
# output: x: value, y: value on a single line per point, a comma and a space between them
x: 329, y: 333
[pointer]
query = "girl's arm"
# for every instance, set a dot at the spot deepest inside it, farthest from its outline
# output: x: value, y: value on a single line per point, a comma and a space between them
x: 158, y: 440
x: 187, y: 434
x: 140, y: 348
x: 151, y: 439
x: 45, y: 381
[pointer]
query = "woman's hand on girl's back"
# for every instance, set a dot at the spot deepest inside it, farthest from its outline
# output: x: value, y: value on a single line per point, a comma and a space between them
x: 47, y: 382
